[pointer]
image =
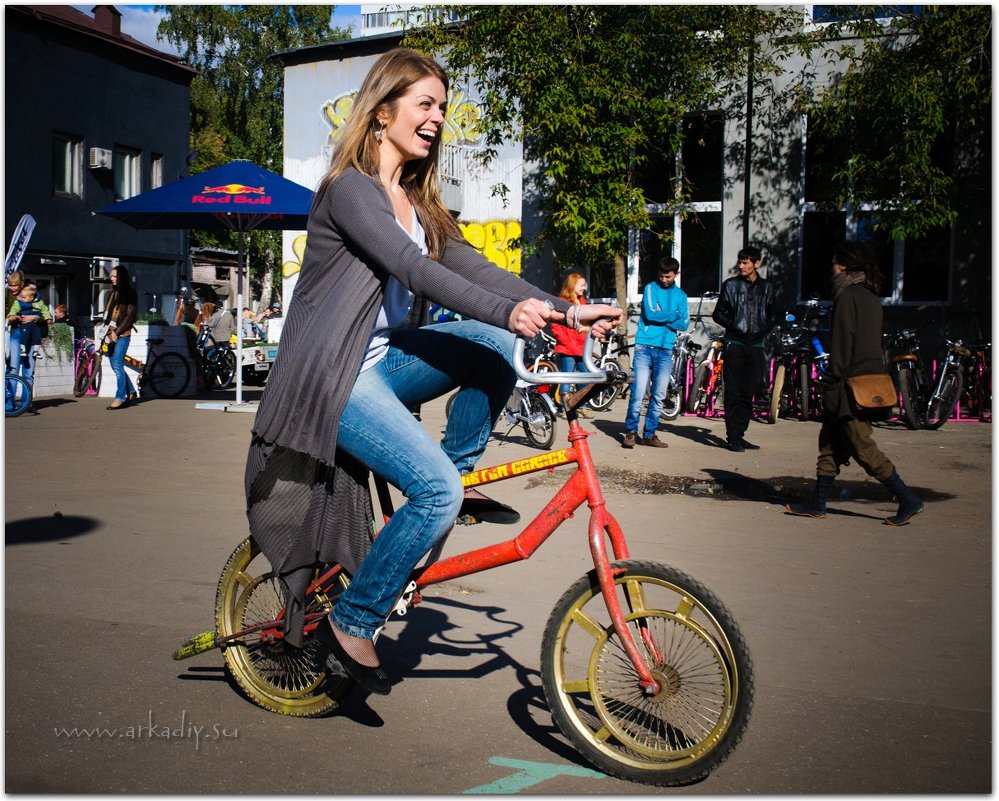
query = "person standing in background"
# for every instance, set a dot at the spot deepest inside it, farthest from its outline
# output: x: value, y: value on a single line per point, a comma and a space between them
x: 747, y: 309
x: 569, y: 342
x: 120, y: 317
x: 664, y: 314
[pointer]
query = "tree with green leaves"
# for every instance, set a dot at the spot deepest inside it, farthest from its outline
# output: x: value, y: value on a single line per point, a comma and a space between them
x: 906, y: 118
x: 237, y: 99
x: 597, y: 94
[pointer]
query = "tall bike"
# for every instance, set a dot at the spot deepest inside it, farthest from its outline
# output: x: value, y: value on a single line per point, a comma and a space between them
x: 644, y: 670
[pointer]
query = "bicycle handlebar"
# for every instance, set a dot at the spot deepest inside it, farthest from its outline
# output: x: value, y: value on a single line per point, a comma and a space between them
x: 592, y: 375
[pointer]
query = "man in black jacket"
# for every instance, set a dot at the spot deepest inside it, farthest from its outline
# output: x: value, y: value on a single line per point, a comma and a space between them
x: 747, y: 308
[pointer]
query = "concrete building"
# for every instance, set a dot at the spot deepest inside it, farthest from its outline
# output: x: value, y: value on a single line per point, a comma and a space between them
x: 92, y: 116
x: 753, y: 177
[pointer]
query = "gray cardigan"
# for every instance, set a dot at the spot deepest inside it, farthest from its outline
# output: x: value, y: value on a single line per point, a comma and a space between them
x: 305, y: 501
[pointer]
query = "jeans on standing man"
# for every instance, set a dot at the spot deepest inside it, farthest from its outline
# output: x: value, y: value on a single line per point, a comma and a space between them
x: 652, y: 367
x: 664, y: 314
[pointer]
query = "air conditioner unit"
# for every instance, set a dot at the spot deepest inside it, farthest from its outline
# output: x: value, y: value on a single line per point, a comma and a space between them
x: 101, y: 266
x: 100, y: 158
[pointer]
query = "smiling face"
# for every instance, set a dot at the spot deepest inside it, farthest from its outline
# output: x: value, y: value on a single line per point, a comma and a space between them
x: 418, y: 119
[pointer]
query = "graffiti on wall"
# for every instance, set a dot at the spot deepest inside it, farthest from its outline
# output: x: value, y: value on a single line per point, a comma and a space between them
x: 461, y: 120
x: 494, y: 241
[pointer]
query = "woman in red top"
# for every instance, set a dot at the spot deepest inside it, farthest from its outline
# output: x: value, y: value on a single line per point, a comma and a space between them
x: 568, y: 341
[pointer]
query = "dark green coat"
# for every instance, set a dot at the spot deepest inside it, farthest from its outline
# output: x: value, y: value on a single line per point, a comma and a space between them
x: 855, y: 347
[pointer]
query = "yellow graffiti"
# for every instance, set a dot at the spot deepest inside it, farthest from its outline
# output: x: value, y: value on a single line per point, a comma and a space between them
x: 298, y: 248
x: 493, y: 240
x: 461, y: 120
x: 336, y: 113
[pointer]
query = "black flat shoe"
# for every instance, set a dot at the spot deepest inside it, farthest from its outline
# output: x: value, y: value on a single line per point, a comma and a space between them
x: 119, y: 406
x: 749, y: 446
x: 488, y: 511
x: 372, y: 679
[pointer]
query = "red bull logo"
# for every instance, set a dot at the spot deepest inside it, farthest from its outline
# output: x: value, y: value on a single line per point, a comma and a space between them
x: 233, y: 193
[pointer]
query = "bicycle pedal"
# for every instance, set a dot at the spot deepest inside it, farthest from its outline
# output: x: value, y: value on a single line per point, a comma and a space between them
x: 195, y: 645
x: 466, y: 520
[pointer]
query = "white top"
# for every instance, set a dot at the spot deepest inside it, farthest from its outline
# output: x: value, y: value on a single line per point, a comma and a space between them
x: 396, y: 303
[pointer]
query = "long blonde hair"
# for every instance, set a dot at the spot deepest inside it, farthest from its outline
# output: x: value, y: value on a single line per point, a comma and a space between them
x: 389, y: 79
x: 569, y: 287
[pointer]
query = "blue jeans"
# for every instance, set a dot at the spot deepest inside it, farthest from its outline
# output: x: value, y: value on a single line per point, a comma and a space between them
x: 653, y: 365
x: 568, y: 364
x: 125, y: 387
x: 378, y: 429
x: 23, y: 365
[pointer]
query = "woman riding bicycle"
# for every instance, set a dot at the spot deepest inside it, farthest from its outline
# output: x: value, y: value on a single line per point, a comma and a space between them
x: 355, y: 356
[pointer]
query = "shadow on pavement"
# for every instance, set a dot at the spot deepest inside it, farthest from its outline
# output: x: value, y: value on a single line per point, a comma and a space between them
x: 48, y: 529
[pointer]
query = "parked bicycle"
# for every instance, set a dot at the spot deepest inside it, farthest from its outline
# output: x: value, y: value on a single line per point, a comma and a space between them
x: 532, y: 406
x: 216, y: 363
x: 166, y: 375
x: 613, y: 353
x: 87, y: 367
x: 942, y: 403
x: 921, y: 406
x: 644, y: 670
x: 978, y: 381
x: 684, y: 352
x: 707, y: 393
x: 799, y: 361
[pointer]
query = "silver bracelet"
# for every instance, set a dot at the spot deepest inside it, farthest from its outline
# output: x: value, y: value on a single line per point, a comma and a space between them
x: 576, y: 316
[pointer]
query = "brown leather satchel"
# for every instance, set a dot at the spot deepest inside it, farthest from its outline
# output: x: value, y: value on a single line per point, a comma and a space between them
x: 872, y: 391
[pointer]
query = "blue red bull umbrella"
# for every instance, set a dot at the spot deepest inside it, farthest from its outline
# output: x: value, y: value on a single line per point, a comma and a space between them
x: 239, y: 196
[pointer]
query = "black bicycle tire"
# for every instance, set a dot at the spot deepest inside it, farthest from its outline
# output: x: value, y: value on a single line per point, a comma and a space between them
x: 168, y: 365
x: 533, y: 404
x: 96, y: 374
x: 697, y: 399
x: 224, y: 369
x: 910, y: 402
x: 576, y: 702
x: 805, y: 390
x: 84, y: 377
x: 939, y: 410
x: 28, y: 391
x: 602, y: 399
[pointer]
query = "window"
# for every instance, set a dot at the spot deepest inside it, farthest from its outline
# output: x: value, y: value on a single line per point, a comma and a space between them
x: 155, y: 171
x: 916, y: 272
x: 697, y: 234
x: 127, y: 178
x: 67, y: 165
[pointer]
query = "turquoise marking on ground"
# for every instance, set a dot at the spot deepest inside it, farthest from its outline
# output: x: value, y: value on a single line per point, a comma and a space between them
x: 530, y: 774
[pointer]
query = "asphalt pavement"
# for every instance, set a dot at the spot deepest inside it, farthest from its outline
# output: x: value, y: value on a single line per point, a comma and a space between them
x: 871, y: 644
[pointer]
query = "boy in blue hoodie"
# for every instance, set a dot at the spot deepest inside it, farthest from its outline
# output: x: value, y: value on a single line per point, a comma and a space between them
x: 664, y: 314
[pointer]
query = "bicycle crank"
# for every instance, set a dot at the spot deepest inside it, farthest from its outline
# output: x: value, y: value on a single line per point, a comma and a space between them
x: 197, y: 644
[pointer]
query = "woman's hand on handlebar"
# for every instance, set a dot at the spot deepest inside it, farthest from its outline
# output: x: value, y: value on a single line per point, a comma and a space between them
x: 603, y: 319
x: 530, y: 316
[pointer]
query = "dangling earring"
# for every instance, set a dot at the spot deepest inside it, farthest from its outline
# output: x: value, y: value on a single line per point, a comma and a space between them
x: 378, y: 134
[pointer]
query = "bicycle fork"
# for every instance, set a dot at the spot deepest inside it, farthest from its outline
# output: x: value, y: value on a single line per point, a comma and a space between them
x: 604, y: 526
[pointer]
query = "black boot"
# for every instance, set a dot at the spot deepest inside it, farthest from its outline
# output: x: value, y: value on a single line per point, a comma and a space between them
x: 908, y: 504
x: 816, y: 505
